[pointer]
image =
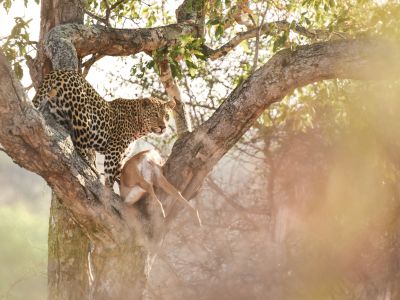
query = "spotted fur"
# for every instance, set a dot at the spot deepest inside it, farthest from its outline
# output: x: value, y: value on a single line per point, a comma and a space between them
x: 105, y: 126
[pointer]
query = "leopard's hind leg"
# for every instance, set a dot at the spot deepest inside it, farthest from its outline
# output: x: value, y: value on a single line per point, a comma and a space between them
x: 80, y: 140
x: 112, y: 166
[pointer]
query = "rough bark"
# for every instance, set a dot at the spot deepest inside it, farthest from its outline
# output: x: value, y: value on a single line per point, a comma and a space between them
x: 79, y: 268
x: 52, y: 13
x: 43, y: 147
x: 67, y: 258
x: 81, y: 40
x: 192, y: 11
x: 68, y: 245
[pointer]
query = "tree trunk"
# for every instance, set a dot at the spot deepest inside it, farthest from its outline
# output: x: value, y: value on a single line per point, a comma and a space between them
x: 67, y: 244
x: 80, y: 267
x: 68, y: 271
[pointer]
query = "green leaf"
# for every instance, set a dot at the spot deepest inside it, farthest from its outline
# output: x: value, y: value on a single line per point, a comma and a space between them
x: 185, y: 39
x: 6, y: 5
x: 18, y: 70
x: 199, y: 55
x: 190, y: 64
x: 219, y: 31
x: 192, y: 72
x: 150, y: 64
x: 245, y: 46
x: 175, y: 69
x: 280, y: 41
x: 214, y: 21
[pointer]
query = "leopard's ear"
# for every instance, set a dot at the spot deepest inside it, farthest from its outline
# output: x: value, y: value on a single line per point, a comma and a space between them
x: 171, y: 104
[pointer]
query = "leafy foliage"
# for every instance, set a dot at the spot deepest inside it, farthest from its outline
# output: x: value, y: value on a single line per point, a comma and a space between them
x: 17, y: 45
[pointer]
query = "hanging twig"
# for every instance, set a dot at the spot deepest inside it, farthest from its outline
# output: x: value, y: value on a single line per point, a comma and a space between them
x: 258, y: 39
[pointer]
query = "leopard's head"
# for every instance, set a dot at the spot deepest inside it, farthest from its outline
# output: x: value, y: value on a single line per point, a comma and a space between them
x: 156, y: 114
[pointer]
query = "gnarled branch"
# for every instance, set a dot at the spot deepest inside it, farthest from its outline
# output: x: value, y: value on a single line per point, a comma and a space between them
x: 75, y: 40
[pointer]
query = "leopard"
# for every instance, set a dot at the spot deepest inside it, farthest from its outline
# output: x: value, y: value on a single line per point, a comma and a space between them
x: 107, y: 127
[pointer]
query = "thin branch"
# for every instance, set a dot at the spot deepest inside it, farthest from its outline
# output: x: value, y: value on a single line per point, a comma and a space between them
x: 241, y: 209
x: 266, y: 29
x: 108, y: 12
x: 171, y: 87
x: 237, y: 13
x: 26, y: 89
x: 109, y: 9
x: 87, y: 64
x: 106, y: 19
x: 254, y: 67
x: 117, y: 3
x: 92, y: 15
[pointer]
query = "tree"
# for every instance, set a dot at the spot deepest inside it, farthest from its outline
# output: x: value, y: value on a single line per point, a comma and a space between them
x: 85, y: 223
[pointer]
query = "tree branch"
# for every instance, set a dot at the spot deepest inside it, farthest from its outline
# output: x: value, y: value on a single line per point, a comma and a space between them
x: 106, y: 19
x: 69, y: 42
x: 255, y: 59
x: 266, y: 29
x: 192, y: 11
x: 194, y: 155
x: 89, y: 63
x: 171, y: 87
x: 40, y: 148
